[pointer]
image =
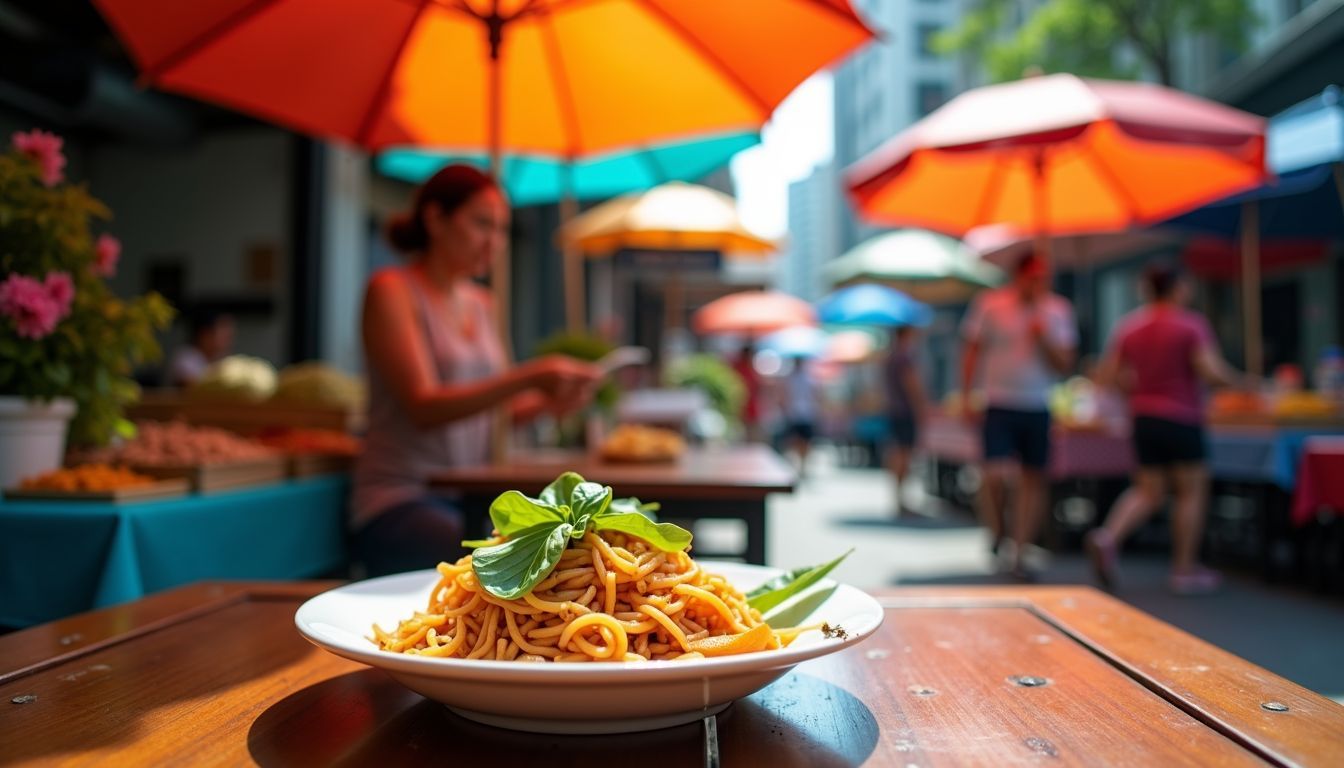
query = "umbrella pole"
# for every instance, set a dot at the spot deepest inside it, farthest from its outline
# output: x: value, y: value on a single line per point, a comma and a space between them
x: 1250, y: 287
x: 573, y: 267
x: 499, y: 270
x: 1041, y: 207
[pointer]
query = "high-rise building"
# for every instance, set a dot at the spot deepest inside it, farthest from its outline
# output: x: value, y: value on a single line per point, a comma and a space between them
x: 889, y: 84
x: 814, y: 236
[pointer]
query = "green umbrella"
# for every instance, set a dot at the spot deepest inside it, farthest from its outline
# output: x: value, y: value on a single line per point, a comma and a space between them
x: 929, y: 267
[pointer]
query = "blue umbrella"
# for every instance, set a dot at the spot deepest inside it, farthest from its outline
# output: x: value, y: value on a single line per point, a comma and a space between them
x: 872, y: 304
x: 1305, y: 147
x: 533, y: 180
x: 799, y: 341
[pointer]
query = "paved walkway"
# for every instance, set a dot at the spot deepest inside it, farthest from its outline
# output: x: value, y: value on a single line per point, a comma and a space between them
x: 1289, y: 631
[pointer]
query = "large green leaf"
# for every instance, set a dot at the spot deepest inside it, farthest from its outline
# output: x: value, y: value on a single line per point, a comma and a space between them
x: 632, y: 504
x: 664, y: 536
x: 781, y: 588
x: 510, y: 570
x: 586, y: 502
x: 560, y: 490
x: 512, y: 512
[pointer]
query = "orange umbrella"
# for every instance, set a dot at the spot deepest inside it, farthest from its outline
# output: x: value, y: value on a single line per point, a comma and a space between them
x: 752, y: 313
x: 564, y: 78
x: 1060, y: 155
x: 556, y: 77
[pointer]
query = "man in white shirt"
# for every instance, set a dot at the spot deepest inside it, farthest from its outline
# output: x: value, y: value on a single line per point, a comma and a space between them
x: 210, y: 337
x: 1027, y: 338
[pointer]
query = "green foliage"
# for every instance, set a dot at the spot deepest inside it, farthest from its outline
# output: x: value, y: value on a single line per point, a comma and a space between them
x: 536, y: 532
x: 720, y: 383
x: 583, y: 346
x: 90, y: 354
x: 1080, y: 36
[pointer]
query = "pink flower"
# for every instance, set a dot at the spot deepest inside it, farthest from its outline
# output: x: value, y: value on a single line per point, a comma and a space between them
x: 61, y: 289
x: 45, y: 148
x: 107, y: 252
x: 36, y: 307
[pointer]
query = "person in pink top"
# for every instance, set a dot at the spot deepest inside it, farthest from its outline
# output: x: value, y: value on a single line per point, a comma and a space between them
x: 437, y: 369
x: 1162, y: 356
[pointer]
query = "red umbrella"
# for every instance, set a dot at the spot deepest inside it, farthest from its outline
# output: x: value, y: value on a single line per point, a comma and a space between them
x: 1060, y: 155
x: 752, y: 313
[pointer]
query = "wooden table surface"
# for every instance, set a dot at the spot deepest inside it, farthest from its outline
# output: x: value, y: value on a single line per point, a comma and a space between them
x: 739, y: 472
x: 217, y: 674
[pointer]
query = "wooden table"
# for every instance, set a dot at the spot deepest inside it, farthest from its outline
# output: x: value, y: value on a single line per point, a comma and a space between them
x: 706, y: 483
x: 216, y: 674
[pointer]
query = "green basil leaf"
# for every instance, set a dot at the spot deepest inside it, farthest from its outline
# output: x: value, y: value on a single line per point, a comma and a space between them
x: 781, y: 588
x: 474, y: 543
x: 510, y: 570
x: 512, y: 512
x: 631, y: 504
x: 664, y: 536
x: 560, y: 490
x: 587, y: 501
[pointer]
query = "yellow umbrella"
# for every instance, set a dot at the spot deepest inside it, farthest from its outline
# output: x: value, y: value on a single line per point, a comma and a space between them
x: 671, y: 217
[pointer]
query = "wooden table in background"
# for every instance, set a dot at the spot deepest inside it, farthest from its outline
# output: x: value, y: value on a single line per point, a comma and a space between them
x: 705, y: 483
x: 216, y: 673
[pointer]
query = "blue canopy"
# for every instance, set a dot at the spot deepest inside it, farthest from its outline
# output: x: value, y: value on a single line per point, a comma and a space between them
x: 1304, y: 143
x: 534, y: 180
x: 872, y: 304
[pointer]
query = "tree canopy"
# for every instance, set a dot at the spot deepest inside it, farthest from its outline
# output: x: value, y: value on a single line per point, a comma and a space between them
x: 1081, y: 36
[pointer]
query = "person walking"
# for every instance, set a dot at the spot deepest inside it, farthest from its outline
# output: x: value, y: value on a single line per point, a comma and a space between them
x: 1161, y: 356
x: 800, y: 411
x: 907, y: 405
x: 1026, y: 337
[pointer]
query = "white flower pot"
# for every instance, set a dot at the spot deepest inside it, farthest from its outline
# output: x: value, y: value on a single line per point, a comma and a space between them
x: 32, y: 437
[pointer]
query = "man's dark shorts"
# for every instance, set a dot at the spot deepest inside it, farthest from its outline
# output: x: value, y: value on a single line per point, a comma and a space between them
x: 903, y: 430
x: 1021, y: 435
x: 1163, y: 443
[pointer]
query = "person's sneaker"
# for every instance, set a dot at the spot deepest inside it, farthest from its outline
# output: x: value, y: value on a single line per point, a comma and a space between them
x: 1101, y: 551
x: 1195, y: 581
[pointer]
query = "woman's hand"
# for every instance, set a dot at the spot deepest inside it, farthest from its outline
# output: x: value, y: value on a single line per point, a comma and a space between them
x: 557, y: 374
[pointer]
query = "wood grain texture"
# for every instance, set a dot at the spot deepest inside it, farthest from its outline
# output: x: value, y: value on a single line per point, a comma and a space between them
x: 217, y: 674
x: 734, y: 473
x: 1219, y: 687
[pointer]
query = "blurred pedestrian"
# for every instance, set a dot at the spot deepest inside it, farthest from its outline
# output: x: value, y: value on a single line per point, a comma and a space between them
x: 1160, y: 356
x: 437, y: 370
x: 800, y: 411
x: 209, y: 338
x: 907, y: 406
x: 1027, y: 338
x: 745, y: 365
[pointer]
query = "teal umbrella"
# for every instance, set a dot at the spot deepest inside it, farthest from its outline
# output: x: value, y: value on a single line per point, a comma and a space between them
x: 539, y: 179
x: 533, y: 180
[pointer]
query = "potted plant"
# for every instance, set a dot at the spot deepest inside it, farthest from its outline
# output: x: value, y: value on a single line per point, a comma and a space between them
x: 67, y: 344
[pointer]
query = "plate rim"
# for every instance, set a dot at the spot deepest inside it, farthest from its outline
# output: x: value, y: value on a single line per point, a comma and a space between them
x: 514, y: 672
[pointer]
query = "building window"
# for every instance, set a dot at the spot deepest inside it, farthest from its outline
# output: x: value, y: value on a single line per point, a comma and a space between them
x: 929, y: 95
x: 925, y: 32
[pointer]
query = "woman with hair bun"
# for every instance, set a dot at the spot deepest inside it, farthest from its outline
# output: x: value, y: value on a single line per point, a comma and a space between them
x: 437, y: 370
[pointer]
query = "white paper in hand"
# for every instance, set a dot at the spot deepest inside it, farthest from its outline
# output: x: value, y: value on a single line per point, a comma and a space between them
x: 621, y: 357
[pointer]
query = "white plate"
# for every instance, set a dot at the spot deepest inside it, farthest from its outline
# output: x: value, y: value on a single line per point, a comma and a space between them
x: 610, y: 697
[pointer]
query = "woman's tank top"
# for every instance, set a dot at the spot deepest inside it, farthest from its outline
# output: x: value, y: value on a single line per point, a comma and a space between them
x: 398, y: 457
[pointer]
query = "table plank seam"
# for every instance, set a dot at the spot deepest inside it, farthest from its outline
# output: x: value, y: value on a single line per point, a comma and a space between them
x: 223, y: 601
x: 1208, y: 719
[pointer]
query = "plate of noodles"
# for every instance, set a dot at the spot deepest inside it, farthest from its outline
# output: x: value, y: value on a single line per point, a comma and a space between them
x: 583, y: 615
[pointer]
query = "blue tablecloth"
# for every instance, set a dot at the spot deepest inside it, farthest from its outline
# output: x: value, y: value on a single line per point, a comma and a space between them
x: 60, y: 558
x: 1260, y: 454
